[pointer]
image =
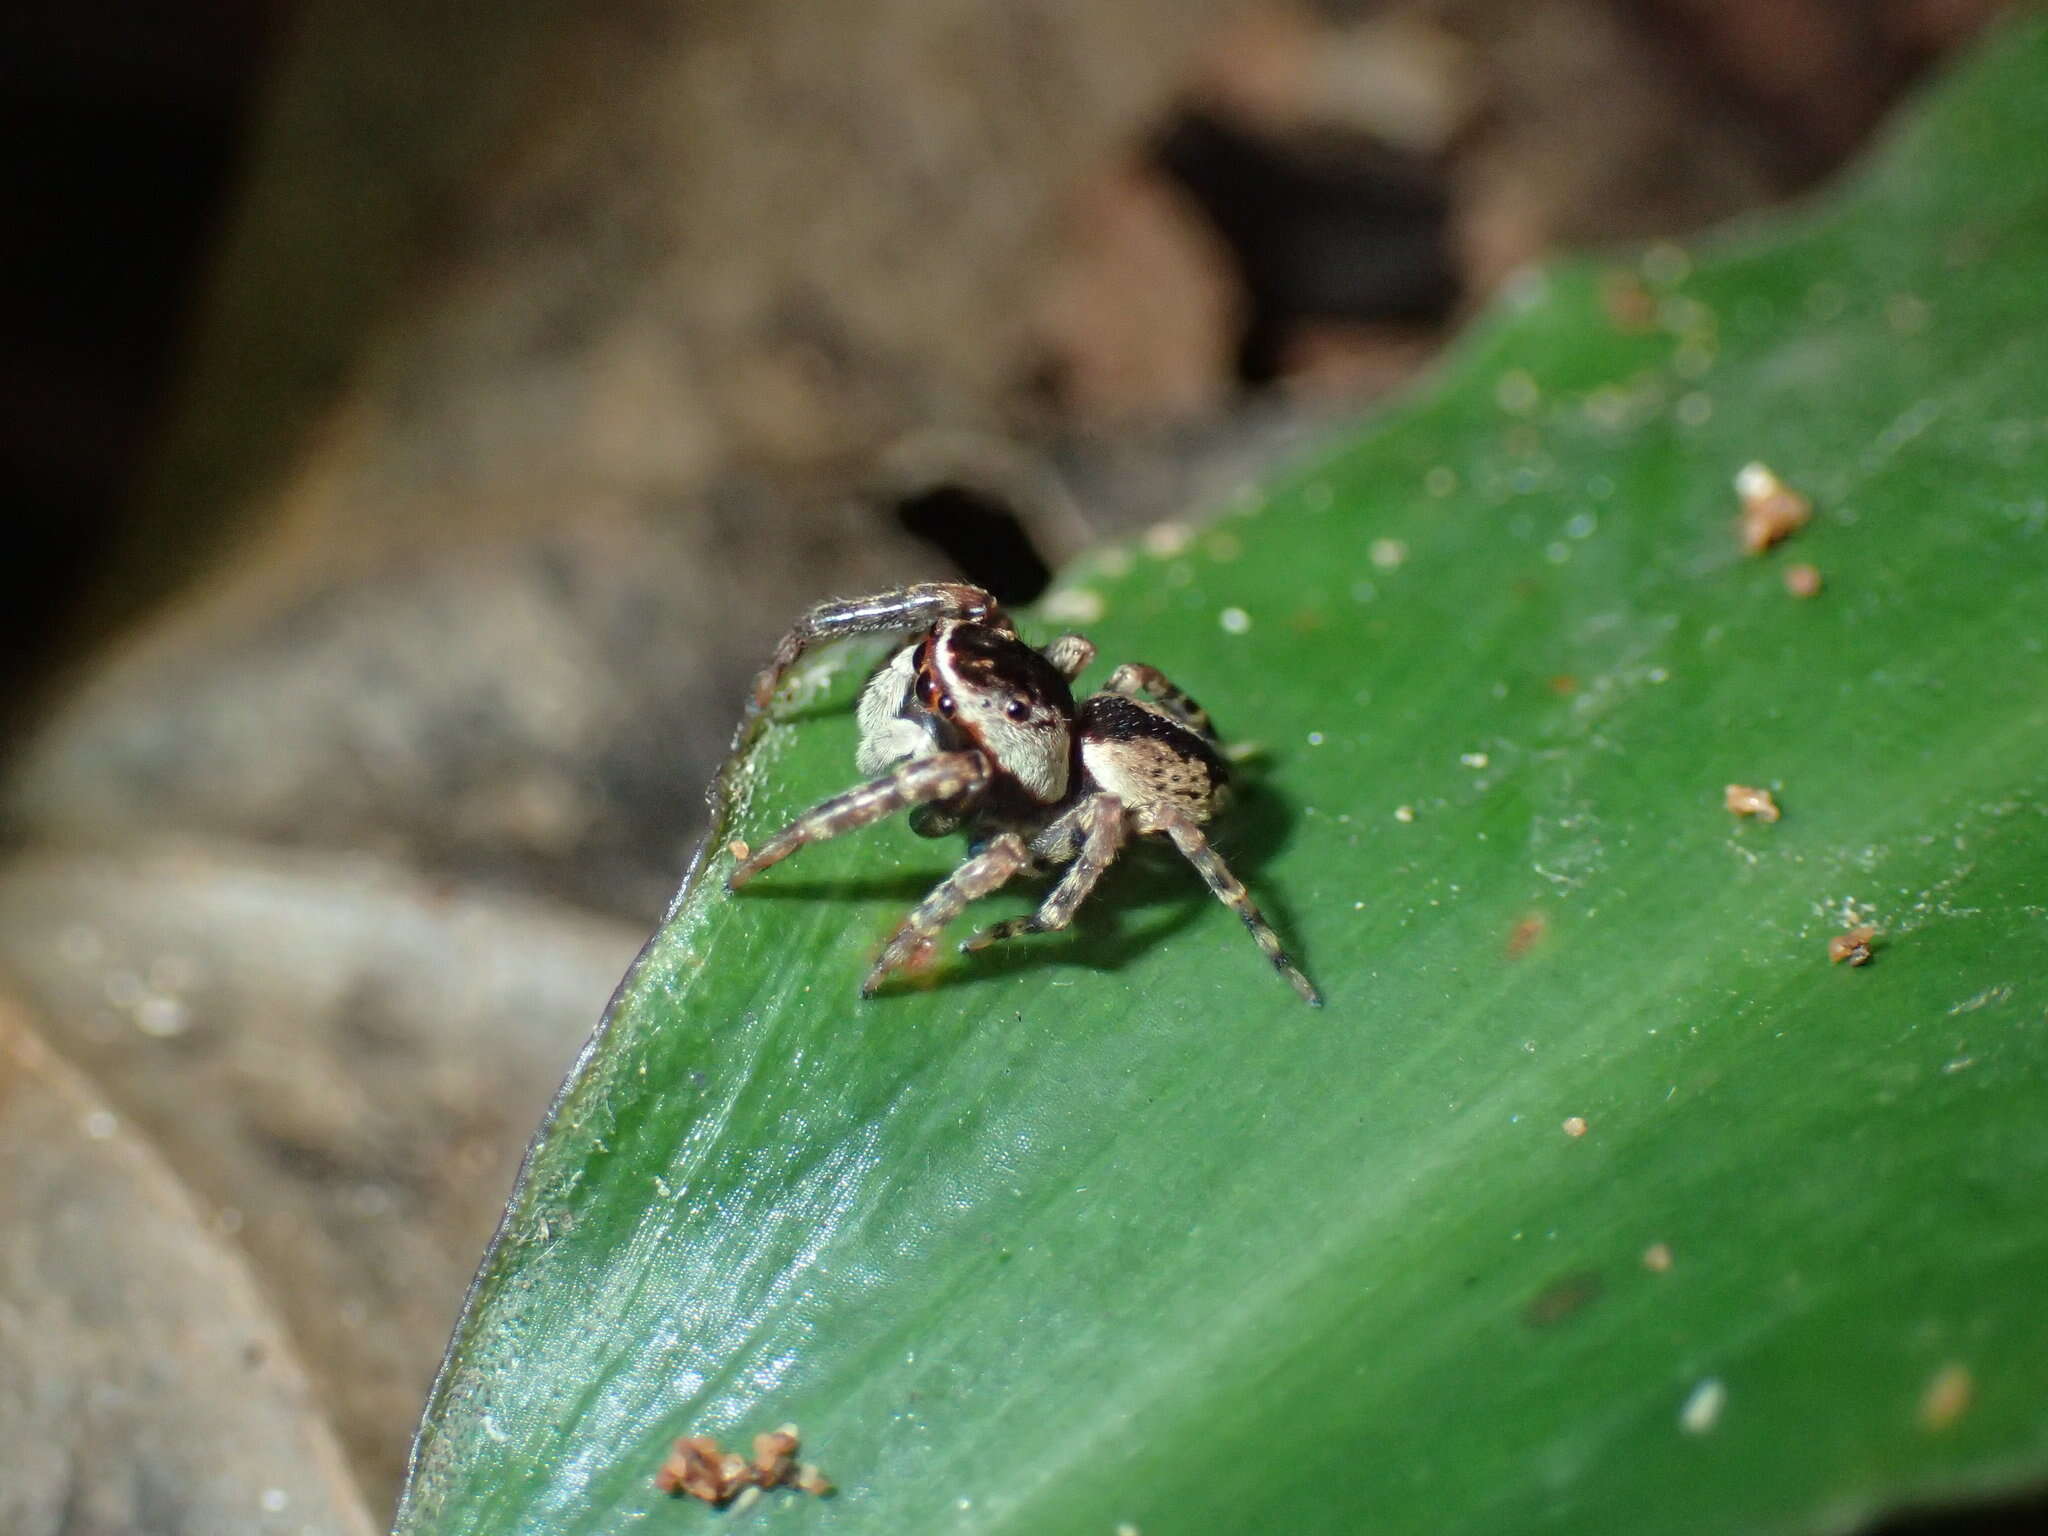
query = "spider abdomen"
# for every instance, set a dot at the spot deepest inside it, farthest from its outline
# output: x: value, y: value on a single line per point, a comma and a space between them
x: 1146, y: 758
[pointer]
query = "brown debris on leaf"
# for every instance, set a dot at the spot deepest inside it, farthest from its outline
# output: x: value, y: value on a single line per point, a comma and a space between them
x: 1771, y: 510
x: 1947, y: 1397
x: 1746, y: 801
x: 1527, y: 934
x: 1853, y: 946
x: 703, y: 1469
x: 1627, y: 301
x: 1802, y: 580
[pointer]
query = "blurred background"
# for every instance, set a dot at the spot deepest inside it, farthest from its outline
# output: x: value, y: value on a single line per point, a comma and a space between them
x: 420, y: 418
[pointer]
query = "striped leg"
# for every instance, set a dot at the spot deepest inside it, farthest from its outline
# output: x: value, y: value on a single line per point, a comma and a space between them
x: 918, y: 782
x: 989, y: 870
x: 1098, y: 826
x: 886, y: 613
x: 1069, y: 654
x: 1135, y: 680
x: 1194, y: 846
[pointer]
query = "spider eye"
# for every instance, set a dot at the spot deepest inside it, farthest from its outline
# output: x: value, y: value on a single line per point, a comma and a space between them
x: 1018, y: 711
x: 946, y: 705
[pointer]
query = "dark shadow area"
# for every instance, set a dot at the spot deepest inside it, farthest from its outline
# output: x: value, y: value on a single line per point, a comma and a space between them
x: 122, y: 130
x: 1334, y: 227
x: 2008, y: 1517
x: 981, y: 534
x: 1150, y: 895
x: 908, y: 889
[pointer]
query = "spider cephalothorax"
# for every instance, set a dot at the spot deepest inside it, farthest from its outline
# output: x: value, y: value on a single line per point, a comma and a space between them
x: 967, y: 727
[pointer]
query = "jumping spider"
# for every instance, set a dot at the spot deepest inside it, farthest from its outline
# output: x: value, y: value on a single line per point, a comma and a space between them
x: 967, y: 727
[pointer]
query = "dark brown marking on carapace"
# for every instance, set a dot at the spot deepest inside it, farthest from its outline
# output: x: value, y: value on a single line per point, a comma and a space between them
x: 985, y: 680
x: 992, y: 660
x: 925, y: 685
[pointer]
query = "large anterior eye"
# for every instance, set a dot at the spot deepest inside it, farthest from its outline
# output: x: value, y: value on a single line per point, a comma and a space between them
x: 1018, y: 711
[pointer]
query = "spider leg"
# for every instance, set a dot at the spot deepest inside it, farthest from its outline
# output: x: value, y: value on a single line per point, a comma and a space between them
x: 1005, y: 857
x: 918, y: 782
x: 905, y: 609
x: 1135, y: 680
x: 1096, y: 829
x: 1188, y: 837
x: 1070, y: 654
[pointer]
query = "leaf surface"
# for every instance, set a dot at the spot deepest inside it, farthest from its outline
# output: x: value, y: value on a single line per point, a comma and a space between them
x: 1108, y: 1228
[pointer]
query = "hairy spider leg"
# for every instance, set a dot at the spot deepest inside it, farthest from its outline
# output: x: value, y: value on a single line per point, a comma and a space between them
x: 1005, y: 857
x: 897, y: 612
x: 1070, y: 655
x: 918, y: 782
x: 1135, y: 680
x: 1091, y: 835
x: 1194, y: 846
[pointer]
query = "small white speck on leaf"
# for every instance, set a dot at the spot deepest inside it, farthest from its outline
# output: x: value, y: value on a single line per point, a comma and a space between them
x: 1516, y: 392
x: 1165, y: 540
x: 1665, y: 264
x: 1906, y: 313
x: 1235, y: 621
x: 1078, y: 605
x: 1703, y: 1405
x: 1694, y: 358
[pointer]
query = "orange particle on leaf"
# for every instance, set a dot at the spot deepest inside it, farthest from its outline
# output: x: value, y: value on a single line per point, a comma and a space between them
x: 1527, y: 934
x: 1746, y: 801
x: 1771, y: 510
x: 1853, y: 946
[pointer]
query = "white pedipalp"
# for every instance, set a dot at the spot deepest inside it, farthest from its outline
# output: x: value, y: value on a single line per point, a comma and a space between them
x: 890, y: 733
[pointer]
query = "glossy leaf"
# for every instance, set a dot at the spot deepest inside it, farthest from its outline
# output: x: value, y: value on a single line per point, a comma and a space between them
x: 1107, y: 1227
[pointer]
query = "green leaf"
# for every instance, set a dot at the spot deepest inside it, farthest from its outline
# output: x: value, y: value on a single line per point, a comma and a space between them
x: 1107, y: 1227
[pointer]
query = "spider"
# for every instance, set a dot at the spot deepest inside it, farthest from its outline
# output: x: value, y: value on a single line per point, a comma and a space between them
x: 968, y: 728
